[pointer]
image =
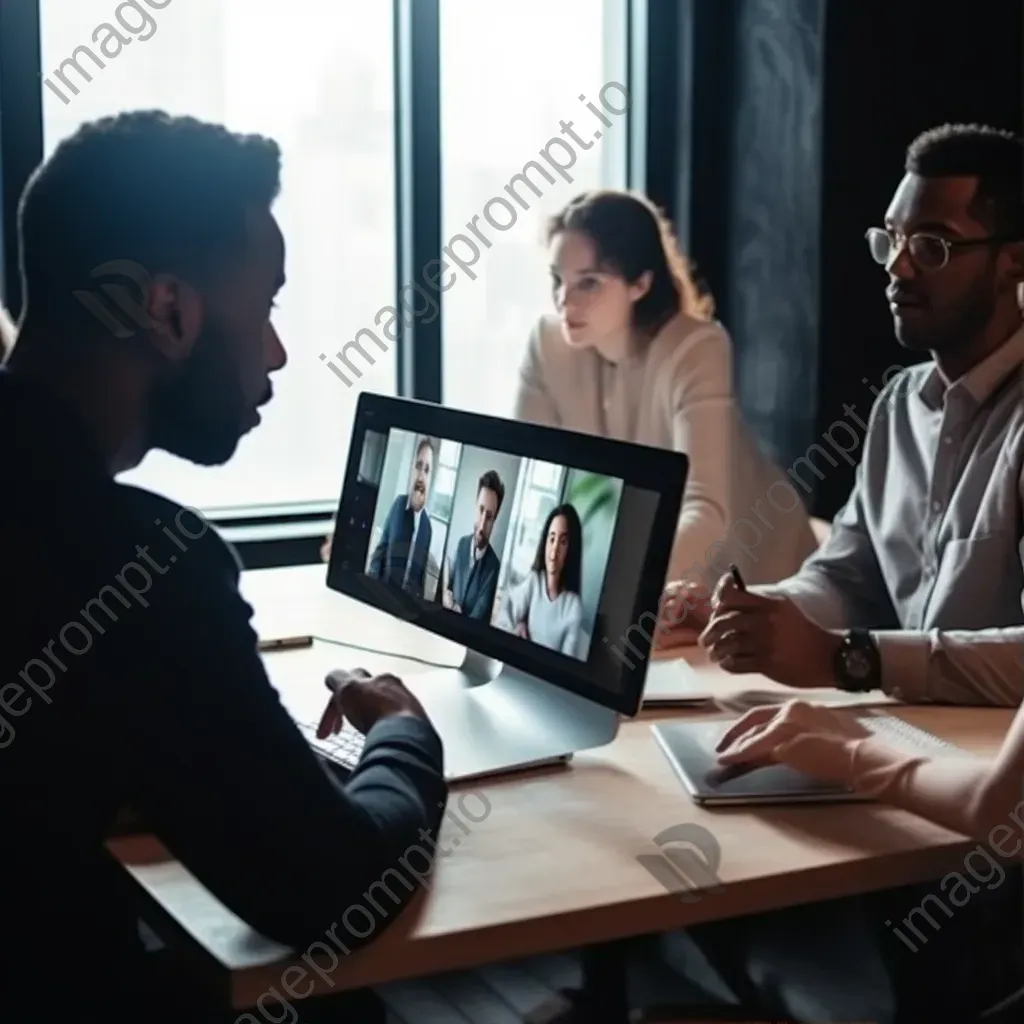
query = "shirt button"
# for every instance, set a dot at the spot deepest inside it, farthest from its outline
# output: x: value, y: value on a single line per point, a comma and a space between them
x: 936, y: 506
x: 948, y: 439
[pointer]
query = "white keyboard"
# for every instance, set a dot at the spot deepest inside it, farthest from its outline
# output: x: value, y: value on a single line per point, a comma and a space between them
x: 345, y: 749
x: 906, y: 737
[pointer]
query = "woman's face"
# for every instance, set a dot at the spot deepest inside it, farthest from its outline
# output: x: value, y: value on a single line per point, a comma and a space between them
x: 596, y: 307
x: 556, y: 549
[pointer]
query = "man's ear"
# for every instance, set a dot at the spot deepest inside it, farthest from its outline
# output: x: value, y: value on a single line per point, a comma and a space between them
x: 176, y: 314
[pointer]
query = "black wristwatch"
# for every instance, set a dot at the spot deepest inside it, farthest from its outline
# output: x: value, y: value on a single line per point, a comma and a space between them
x: 857, y: 664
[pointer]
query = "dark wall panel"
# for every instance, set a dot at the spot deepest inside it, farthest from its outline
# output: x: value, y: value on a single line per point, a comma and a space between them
x: 771, y: 222
x: 795, y: 121
x: 893, y: 68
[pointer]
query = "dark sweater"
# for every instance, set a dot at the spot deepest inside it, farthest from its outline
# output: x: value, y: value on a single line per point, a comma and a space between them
x: 129, y: 675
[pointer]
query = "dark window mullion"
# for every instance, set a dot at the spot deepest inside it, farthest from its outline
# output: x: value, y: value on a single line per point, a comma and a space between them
x: 656, y: 55
x: 21, y: 129
x: 418, y: 195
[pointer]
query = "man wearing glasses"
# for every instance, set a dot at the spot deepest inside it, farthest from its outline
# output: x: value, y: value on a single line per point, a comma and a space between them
x: 918, y: 589
x: 917, y: 592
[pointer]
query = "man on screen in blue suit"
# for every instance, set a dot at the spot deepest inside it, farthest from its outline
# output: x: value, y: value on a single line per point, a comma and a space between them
x: 474, y: 574
x: 404, y: 547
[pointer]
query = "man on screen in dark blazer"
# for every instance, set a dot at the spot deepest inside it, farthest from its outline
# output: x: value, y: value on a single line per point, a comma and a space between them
x: 404, y: 546
x: 474, y: 573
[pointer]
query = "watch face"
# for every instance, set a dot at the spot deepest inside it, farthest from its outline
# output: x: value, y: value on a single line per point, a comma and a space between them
x: 857, y: 664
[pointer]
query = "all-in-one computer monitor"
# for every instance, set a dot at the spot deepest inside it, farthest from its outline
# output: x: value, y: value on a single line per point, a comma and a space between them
x: 542, y: 551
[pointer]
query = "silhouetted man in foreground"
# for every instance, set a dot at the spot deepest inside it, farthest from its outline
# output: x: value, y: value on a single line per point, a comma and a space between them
x: 129, y: 672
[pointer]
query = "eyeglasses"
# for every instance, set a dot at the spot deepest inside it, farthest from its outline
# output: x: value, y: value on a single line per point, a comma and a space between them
x: 929, y: 252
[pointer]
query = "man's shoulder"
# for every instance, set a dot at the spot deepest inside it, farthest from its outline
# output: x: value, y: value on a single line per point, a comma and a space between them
x: 180, y: 532
x: 900, y: 382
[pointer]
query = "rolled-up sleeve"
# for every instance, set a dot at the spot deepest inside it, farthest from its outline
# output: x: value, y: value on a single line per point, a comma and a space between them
x: 956, y: 666
x: 982, y: 667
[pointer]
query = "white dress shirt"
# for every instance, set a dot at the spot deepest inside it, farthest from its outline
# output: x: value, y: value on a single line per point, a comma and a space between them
x: 927, y: 552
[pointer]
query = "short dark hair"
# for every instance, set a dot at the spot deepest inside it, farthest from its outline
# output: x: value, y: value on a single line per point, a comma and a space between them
x: 572, y: 571
x: 632, y: 236
x: 994, y: 156
x: 169, y: 194
x: 426, y: 442
x: 492, y: 482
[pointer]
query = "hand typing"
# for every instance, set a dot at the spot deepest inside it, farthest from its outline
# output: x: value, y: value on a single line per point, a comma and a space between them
x: 813, y: 739
x: 364, y: 700
x: 763, y: 633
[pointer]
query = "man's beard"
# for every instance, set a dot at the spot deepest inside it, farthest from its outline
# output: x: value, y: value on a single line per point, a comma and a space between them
x: 201, y: 414
x: 949, y: 331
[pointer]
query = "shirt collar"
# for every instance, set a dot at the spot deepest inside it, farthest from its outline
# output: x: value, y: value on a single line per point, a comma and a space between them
x: 981, y: 381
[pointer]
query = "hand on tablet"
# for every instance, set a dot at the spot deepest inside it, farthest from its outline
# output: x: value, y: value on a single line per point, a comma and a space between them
x: 814, y: 740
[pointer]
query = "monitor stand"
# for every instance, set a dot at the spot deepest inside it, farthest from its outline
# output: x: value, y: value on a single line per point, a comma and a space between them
x: 495, y: 719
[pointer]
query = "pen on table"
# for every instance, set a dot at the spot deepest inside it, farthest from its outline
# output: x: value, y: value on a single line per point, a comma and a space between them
x: 286, y: 643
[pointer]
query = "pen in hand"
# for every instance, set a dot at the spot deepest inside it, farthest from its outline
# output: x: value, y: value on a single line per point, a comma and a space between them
x: 737, y: 579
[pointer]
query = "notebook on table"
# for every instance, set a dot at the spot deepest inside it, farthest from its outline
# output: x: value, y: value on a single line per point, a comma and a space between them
x: 674, y: 683
x: 690, y: 749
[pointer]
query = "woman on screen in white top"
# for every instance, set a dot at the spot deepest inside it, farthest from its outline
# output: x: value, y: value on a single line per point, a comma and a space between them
x: 633, y: 352
x: 546, y: 607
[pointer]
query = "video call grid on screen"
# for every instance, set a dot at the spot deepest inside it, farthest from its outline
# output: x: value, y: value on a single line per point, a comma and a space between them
x: 534, y: 562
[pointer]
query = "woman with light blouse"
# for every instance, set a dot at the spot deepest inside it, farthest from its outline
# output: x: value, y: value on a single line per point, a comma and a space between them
x: 546, y: 606
x: 633, y: 352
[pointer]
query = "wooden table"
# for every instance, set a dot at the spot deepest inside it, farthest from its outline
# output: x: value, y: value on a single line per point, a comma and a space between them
x: 553, y: 863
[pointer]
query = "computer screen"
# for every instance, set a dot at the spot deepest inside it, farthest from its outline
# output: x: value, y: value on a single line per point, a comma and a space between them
x: 543, y: 548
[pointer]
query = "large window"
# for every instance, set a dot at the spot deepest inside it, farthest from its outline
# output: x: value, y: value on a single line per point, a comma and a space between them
x: 317, y: 75
x: 519, y: 106
x: 511, y: 74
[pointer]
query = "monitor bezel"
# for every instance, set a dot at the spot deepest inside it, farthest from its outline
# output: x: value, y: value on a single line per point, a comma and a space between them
x: 653, y: 469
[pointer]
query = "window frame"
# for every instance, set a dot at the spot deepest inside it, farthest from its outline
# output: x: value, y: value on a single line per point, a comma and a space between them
x: 274, y: 534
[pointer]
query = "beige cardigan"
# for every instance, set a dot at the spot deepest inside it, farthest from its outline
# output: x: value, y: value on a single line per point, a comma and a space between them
x: 678, y: 394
